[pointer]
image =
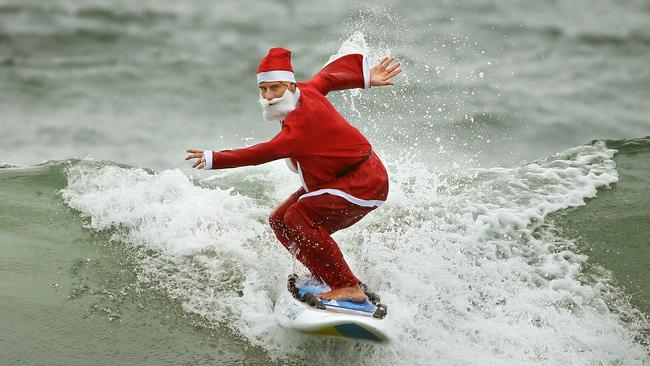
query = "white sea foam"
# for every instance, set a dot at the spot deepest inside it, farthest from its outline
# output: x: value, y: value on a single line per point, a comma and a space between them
x: 470, y: 270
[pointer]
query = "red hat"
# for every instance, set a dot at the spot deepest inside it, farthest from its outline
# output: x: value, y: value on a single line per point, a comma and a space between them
x: 276, y: 66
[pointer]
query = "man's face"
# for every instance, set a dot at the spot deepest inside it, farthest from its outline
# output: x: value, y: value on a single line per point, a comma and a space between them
x: 273, y: 89
x: 275, y: 101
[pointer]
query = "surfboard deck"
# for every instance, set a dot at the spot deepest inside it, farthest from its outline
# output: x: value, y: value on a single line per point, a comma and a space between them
x: 356, y: 321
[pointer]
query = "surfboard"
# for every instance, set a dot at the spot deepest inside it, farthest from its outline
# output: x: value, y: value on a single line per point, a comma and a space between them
x: 297, y: 309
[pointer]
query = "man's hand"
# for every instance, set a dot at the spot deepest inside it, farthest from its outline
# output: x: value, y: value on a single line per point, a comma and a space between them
x: 196, y: 154
x: 381, y: 73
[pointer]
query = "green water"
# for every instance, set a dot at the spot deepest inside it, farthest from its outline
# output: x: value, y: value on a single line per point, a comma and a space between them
x: 70, y: 297
x: 614, y: 228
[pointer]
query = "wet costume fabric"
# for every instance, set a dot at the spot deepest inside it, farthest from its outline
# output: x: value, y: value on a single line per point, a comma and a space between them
x: 342, y: 178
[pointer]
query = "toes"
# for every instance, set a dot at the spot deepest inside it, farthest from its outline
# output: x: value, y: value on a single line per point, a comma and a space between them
x: 324, y: 295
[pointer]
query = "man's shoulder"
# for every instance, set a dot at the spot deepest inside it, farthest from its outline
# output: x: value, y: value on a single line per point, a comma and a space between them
x: 307, y: 89
x: 312, y: 105
x: 310, y: 100
x: 310, y: 97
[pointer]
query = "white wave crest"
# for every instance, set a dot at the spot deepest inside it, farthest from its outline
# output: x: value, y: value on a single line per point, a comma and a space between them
x: 470, y: 268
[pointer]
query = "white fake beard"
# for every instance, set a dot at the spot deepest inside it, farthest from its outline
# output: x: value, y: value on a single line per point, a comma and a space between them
x: 277, y: 109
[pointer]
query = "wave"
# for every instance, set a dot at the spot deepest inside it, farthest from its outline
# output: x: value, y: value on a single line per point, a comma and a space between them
x: 80, y: 25
x: 613, y: 229
x: 120, y: 15
x: 81, y: 34
x: 465, y: 261
x: 630, y: 146
x: 631, y: 37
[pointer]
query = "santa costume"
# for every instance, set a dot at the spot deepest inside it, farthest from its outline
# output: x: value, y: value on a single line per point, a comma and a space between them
x: 343, y: 179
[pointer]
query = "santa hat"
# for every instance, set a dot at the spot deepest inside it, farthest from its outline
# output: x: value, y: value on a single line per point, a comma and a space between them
x: 276, y: 66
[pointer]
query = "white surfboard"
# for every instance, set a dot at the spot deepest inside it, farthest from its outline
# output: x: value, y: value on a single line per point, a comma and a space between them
x: 361, y: 322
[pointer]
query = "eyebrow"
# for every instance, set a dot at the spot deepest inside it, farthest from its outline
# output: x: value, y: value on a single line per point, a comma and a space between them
x: 273, y: 85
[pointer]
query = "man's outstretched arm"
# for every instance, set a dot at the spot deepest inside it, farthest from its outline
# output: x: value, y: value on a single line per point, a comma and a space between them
x: 284, y: 144
x: 352, y: 71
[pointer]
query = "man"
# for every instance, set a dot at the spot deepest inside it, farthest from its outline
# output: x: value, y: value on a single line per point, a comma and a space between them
x: 342, y: 178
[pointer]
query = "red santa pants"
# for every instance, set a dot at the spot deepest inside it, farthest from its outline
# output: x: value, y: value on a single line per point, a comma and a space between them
x: 304, y: 227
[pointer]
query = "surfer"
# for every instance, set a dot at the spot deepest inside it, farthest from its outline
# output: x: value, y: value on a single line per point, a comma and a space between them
x: 342, y: 178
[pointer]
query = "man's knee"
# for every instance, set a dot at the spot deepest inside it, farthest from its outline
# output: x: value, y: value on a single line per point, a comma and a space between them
x: 276, y: 219
x: 295, y: 218
x: 291, y: 219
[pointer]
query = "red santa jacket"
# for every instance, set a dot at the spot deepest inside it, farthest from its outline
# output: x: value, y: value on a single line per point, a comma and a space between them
x: 319, y: 142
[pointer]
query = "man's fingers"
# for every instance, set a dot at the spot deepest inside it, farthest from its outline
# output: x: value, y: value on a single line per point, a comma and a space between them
x: 385, y: 62
x: 381, y: 65
x: 385, y: 83
x: 381, y: 62
x: 392, y: 68
x: 392, y: 74
x: 194, y: 156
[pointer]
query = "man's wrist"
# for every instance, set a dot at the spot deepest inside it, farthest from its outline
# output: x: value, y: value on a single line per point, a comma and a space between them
x: 207, y: 157
x: 366, y: 72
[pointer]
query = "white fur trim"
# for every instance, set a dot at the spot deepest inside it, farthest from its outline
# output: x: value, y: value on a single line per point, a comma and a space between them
x: 290, y: 165
x: 207, y: 156
x: 347, y: 196
x: 278, y: 75
x: 366, y: 73
x: 304, y: 185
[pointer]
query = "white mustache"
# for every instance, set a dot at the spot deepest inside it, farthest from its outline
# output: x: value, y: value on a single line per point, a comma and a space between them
x: 278, y: 108
x: 272, y: 101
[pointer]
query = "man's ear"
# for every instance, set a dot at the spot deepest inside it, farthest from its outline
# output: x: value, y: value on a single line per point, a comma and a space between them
x: 292, y: 87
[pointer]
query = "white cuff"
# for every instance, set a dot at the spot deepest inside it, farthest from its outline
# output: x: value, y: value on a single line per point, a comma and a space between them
x: 207, y: 156
x: 366, y: 72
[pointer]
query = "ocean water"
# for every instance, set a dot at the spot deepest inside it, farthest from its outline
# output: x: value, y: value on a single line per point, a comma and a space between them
x: 516, y: 140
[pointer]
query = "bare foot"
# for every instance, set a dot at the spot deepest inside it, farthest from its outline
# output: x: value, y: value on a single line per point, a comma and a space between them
x: 352, y: 293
